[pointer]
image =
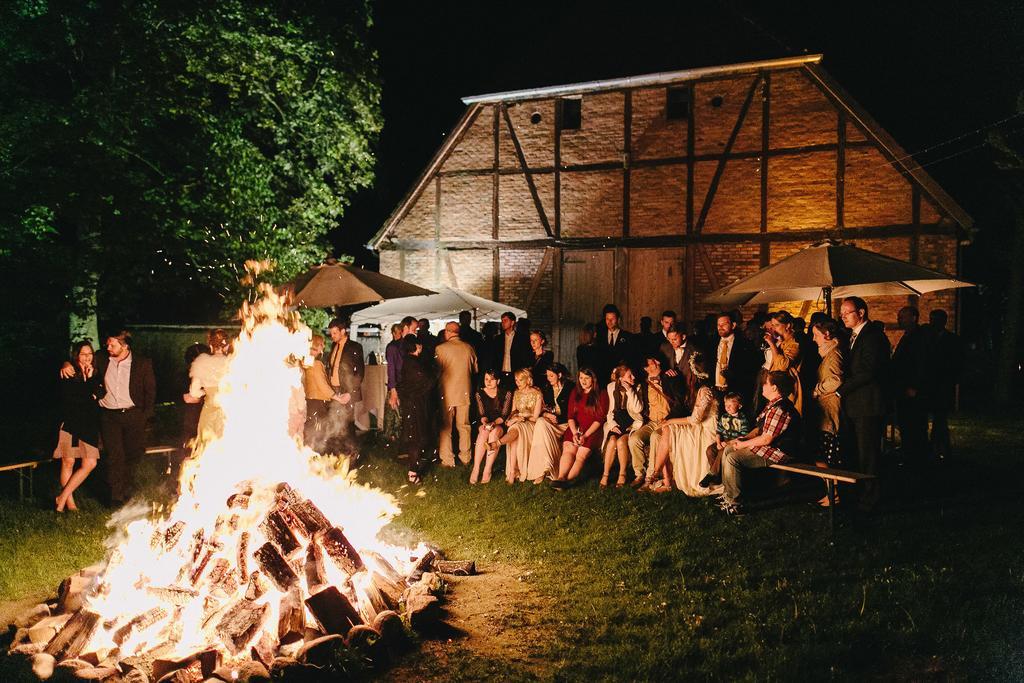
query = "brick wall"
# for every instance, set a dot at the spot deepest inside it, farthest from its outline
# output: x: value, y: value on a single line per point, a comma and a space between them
x: 801, y: 190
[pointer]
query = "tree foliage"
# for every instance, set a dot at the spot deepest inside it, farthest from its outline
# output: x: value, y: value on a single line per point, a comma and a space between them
x: 154, y: 146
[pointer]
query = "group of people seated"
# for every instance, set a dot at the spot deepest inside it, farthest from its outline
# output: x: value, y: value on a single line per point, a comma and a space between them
x: 692, y: 408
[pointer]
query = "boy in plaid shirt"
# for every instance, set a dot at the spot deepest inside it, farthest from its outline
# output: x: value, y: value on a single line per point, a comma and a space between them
x: 733, y: 423
x: 774, y: 439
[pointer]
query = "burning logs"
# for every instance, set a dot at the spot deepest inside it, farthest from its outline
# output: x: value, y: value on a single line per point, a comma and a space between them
x: 74, y: 636
x: 240, y: 624
x: 276, y: 567
x: 338, y: 548
x: 333, y: 611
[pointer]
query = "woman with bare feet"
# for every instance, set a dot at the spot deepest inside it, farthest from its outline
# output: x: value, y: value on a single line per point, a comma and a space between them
x: 80, y: 426
x: 494, y: 405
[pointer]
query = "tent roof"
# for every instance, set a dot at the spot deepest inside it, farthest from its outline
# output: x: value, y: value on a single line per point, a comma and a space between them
x: 447, y: 303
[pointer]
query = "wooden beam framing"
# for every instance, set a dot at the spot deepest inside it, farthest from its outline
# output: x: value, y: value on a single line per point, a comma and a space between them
x: 495, y: 216
x: 660, y: 161
x: 766, y: 120
x: 627, y: 136
x: 689, y: 261
x: 451, y: 269
x: 720, y: 169
x: 437, y: 230
x: 535, y: 282
x: 840, y: 170
x: 865, y: 232
x: 495, y: 273
x: 557, y: 170
x: 705, y: 260
x: 526, y: 173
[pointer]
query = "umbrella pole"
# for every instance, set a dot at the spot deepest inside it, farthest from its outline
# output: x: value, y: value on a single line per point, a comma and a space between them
x: 827, y: 292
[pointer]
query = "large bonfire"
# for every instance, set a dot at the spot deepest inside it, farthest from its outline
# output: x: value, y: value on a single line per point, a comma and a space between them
x: 268, y: 545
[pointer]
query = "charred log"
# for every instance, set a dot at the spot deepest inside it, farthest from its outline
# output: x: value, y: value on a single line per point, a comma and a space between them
x: 275, y: 528
x: 276, y: 567
x: 333, y: 611
x: 74, y: 636
x: 291, y: 621
x: 338, y: 548
x: 240, y: 624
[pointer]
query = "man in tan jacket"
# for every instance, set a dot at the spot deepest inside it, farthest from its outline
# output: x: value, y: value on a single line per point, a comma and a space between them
x: 456, y: 363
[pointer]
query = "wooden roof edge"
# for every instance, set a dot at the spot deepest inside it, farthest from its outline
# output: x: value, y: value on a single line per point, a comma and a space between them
x: 883, y: 138
x: 660, y: 78
x: 460, y: 128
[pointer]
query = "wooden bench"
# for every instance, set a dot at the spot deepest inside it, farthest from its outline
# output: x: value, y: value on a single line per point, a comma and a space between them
x: 831, y: 478
x: 24, y: 471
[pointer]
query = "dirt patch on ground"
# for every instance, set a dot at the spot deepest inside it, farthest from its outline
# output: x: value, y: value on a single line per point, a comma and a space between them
x: 12, y: 609
x: 496, y: 615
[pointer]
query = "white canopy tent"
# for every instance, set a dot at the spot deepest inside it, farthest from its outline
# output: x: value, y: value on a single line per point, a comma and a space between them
x: 445, y: 305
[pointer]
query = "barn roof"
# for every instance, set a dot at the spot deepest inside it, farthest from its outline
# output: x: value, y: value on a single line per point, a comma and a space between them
x: 812, y: 63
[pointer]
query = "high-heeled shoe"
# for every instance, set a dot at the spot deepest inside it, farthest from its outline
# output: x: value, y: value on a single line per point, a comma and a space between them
x: 604, y: 482
x: 621, y: 482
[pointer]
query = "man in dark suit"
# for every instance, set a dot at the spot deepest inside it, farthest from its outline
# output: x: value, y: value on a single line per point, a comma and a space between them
x: 613, y: 346
x: 468, y: 334
x: 511, y: 349
x: 909, y: 375
x: 125, y: 409
x: 944, y: 363
x: 676, y: 351
x: 862, y: 393
x: 345, y: 370
x: 736, y: 360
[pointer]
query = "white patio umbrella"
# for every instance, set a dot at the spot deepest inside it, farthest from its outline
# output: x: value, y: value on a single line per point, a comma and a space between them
x: 448, y: 302
x: 833, y: 269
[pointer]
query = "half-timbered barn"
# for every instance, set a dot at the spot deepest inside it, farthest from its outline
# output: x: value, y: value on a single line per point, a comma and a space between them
x: 652, y: 191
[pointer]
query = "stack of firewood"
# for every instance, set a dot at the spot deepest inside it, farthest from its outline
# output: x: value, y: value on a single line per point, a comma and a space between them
x: 236, y: 586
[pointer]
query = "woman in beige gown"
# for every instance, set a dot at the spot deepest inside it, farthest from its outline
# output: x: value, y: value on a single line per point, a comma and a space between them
x: 526, y: 407
x: 683, y: 441
x: 547, y: 434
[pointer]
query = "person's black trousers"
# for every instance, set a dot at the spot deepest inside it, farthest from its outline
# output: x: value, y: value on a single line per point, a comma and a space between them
x: 124, y: 441
x: 863, y: 437
x: 912, y: 420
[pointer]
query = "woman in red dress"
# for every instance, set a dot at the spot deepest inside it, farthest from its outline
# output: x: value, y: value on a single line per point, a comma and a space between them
x: 588, y: 407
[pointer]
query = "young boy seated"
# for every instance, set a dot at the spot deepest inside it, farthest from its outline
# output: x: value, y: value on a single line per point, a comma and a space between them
x: 732, y: 424
x: 774, y: 440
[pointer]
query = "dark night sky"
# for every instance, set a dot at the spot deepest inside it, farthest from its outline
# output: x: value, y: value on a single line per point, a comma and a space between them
x: 927, y: 72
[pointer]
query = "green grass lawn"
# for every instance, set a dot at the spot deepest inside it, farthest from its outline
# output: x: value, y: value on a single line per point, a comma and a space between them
x: 639, y: 587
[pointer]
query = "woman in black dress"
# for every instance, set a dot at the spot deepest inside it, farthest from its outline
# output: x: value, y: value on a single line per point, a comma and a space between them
x: 542, y: 359
x: 79, y: 433
x: 415, y: 388
x: 493, y: 405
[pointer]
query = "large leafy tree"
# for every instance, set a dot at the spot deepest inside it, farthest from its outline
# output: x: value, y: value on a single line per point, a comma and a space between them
x: 150, y: 146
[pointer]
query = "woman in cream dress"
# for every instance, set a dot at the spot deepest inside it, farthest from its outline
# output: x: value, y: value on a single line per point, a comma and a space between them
x: 547, y: 434
x: 526, y: 406
x: 683, y: 441
x: 207, y: 370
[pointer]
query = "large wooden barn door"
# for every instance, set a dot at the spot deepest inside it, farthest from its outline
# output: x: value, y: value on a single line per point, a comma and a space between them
x: 588, y: 283
x: 656, y: 284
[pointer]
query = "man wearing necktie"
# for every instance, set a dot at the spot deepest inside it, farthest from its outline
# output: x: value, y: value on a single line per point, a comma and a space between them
x: 615, y: 346
x: 735, y: 362
x: 345, y: 374
x: 861, y: 393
